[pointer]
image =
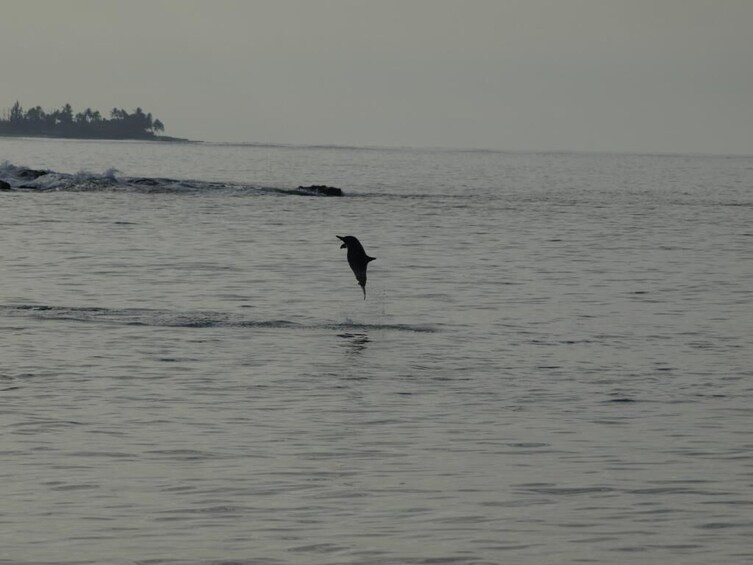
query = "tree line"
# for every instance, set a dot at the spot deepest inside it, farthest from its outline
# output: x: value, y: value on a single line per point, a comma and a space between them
x: 90, y: 124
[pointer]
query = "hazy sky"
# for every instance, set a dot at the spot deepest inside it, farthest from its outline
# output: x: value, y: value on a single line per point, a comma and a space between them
x: 611, y: 75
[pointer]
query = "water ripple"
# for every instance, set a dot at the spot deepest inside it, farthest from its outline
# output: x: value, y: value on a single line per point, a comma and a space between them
x: 201, y: 319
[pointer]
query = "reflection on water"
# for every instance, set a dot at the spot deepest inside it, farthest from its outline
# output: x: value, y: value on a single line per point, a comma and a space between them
x: 356, y: 342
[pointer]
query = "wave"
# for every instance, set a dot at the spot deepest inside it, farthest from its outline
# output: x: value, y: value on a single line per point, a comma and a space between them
x: 40, y: 180
x: 197, y: 319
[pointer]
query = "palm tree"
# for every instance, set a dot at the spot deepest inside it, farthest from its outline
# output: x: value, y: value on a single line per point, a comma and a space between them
x: 16, y: 114
x: 66, y: 115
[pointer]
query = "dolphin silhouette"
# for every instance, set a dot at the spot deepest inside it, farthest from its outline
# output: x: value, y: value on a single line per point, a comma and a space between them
x: 357, y: 259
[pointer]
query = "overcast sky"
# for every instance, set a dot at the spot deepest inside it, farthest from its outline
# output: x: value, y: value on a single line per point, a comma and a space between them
x: 607, y: 75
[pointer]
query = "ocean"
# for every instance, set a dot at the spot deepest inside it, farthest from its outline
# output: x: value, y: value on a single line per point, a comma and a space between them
x: 553, y: 363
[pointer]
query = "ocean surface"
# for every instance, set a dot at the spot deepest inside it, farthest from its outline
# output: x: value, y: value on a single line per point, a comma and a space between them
x: 553, y: 363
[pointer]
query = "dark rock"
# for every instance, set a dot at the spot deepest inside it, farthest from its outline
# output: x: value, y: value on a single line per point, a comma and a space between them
x: 145, y: 182
x: 4, y: 185
x: 322, y: 189
x: 30, y: 174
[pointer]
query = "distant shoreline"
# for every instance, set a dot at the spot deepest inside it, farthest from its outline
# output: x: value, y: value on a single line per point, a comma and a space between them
x: 163, y: 138
x: 89, y: 124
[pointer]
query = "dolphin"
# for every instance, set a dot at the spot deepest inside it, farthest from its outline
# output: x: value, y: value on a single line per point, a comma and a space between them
x: 357, y: 259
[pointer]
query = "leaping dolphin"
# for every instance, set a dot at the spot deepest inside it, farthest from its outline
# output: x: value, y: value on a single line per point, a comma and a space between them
x: 357, y: 259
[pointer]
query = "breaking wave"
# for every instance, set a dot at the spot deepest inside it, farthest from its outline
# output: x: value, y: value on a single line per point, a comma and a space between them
x: 26, y: 179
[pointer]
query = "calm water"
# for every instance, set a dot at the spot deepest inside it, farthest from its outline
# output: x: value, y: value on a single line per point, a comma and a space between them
x: 554, y: 362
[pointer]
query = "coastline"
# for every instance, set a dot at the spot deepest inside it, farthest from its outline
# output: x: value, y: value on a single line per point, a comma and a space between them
x: 162, y: 138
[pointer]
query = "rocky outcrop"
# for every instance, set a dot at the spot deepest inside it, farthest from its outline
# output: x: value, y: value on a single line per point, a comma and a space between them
x: 322, y: 189
x: 30, y: 174
x: 4, y: 185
